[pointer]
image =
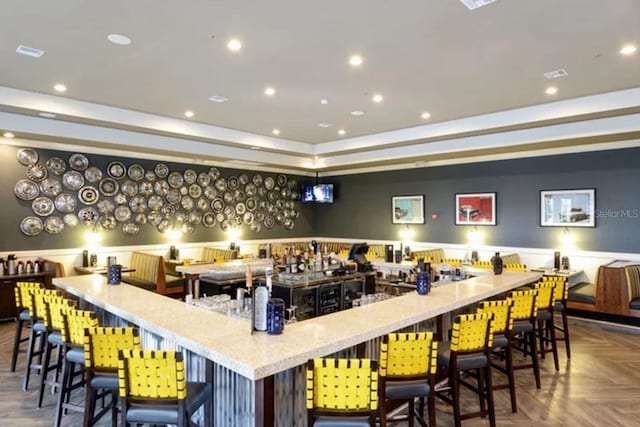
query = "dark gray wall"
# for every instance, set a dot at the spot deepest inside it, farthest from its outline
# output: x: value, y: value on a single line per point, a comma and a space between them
x: 12, y: 210
x: 363, y: 209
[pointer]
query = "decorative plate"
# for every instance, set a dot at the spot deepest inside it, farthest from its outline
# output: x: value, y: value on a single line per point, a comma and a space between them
x: 279, y: 217
x: 288, y: 224
x: 161, y: 170
x: 27, y: 157
x: 72, y: 180
x: 202, y: 204
x: 295, y: 194
x: 229, y: 211
x: 66, y: 203
x: 214, y: 173
x: 260, y: 216
x: 131, y: 228
x: 241, y: 208
x: 56, y: 166
x: 248, y: 218
x: 173, y: 197
x: 217, y: 205
x: 292, y: 184
x: 155, y: 202
x: 244, y: 179
x: 163, y: 225
x: 108, y: 186
x: 210, y: 192
x: 122, y: 213
x: 36, y: 172
x: 120, y: 199
x: 116, y: 170
x: 204, y: 179
x: 183, y: 190
x: 280, y: 204
x: 26, y: 190
x: 53, y: 225
x: 150, y: 175
x: 88, y: 215
x: 255, y: 227
x: 269, y: 221
x: 181, y: 216
x: 257, y: 180
x: 281, y: 180
x: 228, y: 198
x: 136, y: 172
x: 273, y: 195
x: 105, y: 206
x: 285, y: 192
x: 138, y: 204
x: 31, y: 226
x: 195, y: 191
x: 108, y: 222
x: 187, y: 203
x: 154, y: 217
x: 145, y: 188
x: 175, y: 180
x: 262, y: 192
x: 194, y: 218
x: 129, y: 188
x: 92, y: 174
x: 250, y: 190
x: 221, y: 185
x: 168, y: 211
x: 141, y: 218
x: 209, y: 220
x: 225, y: 225
x: 232, y: 182
x: 161, y: 188
x: 239, y: 196
x: 269, y: 183
x: 190, y: 176
x: 78, y: 162
x: 42, y: 206
x: 251, y: 204
x: 187, y: 228
x: 219, y: 217
x: 71, y: 220
x: 88, y: 195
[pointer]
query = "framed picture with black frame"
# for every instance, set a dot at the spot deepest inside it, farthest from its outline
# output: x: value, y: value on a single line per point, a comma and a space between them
x: 407, y: 209
x: 476, y: 209
x: 568, y: 208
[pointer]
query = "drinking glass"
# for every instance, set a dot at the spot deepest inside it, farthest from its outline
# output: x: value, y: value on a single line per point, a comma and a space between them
x: 292, y: 314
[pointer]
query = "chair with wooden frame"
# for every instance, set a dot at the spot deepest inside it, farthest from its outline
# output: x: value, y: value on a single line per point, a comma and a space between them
x: 23, y: 302
x: 546, y: 329
x: 407, y: 371
x: 101, y: 346
x: 523, y: 333
x: 561, y: 295
x: 153, y: 388
x: 469, y: 350
x: 342, y: 392
x: 502, y: 325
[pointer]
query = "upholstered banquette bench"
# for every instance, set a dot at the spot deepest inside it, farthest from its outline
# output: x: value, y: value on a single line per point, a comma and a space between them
x: 150, y: 274
x: 218, y: 255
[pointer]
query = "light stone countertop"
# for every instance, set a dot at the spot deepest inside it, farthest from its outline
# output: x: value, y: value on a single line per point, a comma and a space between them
x: 229, y: 342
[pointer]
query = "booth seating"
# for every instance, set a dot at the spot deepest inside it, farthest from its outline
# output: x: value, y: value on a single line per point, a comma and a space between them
x: 511, y: 259
x: 429, y: 255
x: 150, y: 274
x: 218, y: 255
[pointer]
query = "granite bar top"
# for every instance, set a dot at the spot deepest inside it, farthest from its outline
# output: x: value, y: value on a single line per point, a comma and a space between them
x: 229, y: 341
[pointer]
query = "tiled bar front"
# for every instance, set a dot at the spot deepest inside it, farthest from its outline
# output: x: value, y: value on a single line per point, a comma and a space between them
x: 255, y: 375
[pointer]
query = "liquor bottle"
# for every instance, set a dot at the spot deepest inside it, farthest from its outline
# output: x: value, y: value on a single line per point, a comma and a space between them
x: 497, y: 263
x: 260, y: 300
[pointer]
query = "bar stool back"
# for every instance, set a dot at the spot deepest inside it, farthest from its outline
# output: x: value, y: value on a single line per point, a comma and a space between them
x: 561, y: 295
x: 24, y: 318
x: 407, y: 371
x: 546, y: 331
x: 523, y: 333
x: 342, y: 392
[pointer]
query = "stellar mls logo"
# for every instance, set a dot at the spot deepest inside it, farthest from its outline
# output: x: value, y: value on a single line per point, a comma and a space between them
x: 618, y: 213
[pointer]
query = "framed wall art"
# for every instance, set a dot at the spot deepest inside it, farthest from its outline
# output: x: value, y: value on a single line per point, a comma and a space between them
x: 476, y: 209
x: 407, y: 209
x: 568, y: 208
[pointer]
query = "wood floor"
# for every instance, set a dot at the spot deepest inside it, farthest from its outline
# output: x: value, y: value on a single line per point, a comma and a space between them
x: 599, y: 386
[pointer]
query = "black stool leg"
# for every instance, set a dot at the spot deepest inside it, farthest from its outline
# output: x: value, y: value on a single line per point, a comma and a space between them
x: 45, y: 370
x: 16, y: 343
x: 34, y: 336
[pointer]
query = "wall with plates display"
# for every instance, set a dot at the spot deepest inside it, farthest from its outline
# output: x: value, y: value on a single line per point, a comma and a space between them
x: 53, y: 199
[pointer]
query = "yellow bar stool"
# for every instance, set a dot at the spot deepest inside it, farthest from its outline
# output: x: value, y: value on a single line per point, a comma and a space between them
x: 342, y: 392
x: 523, y: 332
x: 546, y: 329
x: 101, y: 346
x: 407, y: 372
x: 54, y: 306
x: 74, y: 323
x: 501, y: 346
x: 469, y: 350
x: 38, y: 333
x: 561, y: 295
x: 23, y: 302
x: 153, y: 388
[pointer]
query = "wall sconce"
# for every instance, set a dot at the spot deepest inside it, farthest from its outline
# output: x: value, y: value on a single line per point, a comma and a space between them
x: 406, y: 234
x: 567, y: 240
x: 475, y: 237
x: 94, y: 237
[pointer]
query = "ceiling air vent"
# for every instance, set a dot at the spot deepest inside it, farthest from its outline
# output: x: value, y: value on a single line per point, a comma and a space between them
x: 30, y: 51
x: 555, y: 74
x: 474, y: 4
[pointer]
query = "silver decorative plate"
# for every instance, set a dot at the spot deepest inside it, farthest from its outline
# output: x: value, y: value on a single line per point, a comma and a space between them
x: 161, y: 170
x: 66, y: 203
x: 88, y: 195
x: 136, y: 172
x: 78, y: 162
x: 88, y: 215
x: 53, y: 225
x: 92, y: 174
x: 161, y: 188
x: 31, y: 226
x: 122, y: 213
x: 108, y: 186
x: 26, y: 189
x: 72, y: 180
x: 129, y: 188
x: 116, y: 170
x: 131, y: 228
x: 56, y: 166
x: 190, y: 176
x: 36, y: 172
x: 105, y: 206
x: 71, y: 220
x: 27, y: 157
x: 269, y: 183
x: 175, y: 179
x: 42, y: 206
x: 214, y: 173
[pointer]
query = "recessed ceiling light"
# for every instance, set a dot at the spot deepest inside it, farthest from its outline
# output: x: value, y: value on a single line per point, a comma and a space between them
x: 474, y: 4
x: 341, y: 131
x: 234, y: 45
x: 269, y: 91
x: 29, y: 51
x: 551, y: 90
x: 555, y: 74
x: 425, y: 115
x: 47, y: 115
x: 119, y: 39
x: 8, y: 135
x: 355, y: 60
x: 60, y: 87
x: 189, y: 114
x: 324, y: 125
x: 276, y: 131
x: 324, y: 101
x: 377, y: 98
x: 218, y: 98
x: 628, y: 49
x: 357, y: 113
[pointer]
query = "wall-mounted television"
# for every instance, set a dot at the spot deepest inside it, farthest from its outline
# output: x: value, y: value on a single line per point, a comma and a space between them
x: 318, y: 193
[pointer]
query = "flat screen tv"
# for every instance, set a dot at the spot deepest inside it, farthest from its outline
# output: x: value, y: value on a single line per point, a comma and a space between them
x: 318, y: 193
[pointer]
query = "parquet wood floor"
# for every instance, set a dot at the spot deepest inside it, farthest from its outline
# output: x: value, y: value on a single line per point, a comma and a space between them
x: 599, y: 386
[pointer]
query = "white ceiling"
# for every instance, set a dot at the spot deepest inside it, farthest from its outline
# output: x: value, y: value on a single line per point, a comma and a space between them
x: 479, y: 73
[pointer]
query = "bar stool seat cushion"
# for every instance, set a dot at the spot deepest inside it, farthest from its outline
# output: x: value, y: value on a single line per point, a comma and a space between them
x: 559, y: 306
x: 465, y: 361
x: 635, y: 304
x: 39, y: 327
x: 75, y: 355
x: 55, y: 338
x: 500, y: 340
x: 342, y: 422
x: 109, y: 382
x: 197, y: 394
x: 543, y: 315
x: 24, y: 315
x: 520, y: 326
x: 406, y: 389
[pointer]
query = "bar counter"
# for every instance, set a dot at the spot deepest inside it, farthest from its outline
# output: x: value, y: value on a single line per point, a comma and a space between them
x: 229, y: 344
